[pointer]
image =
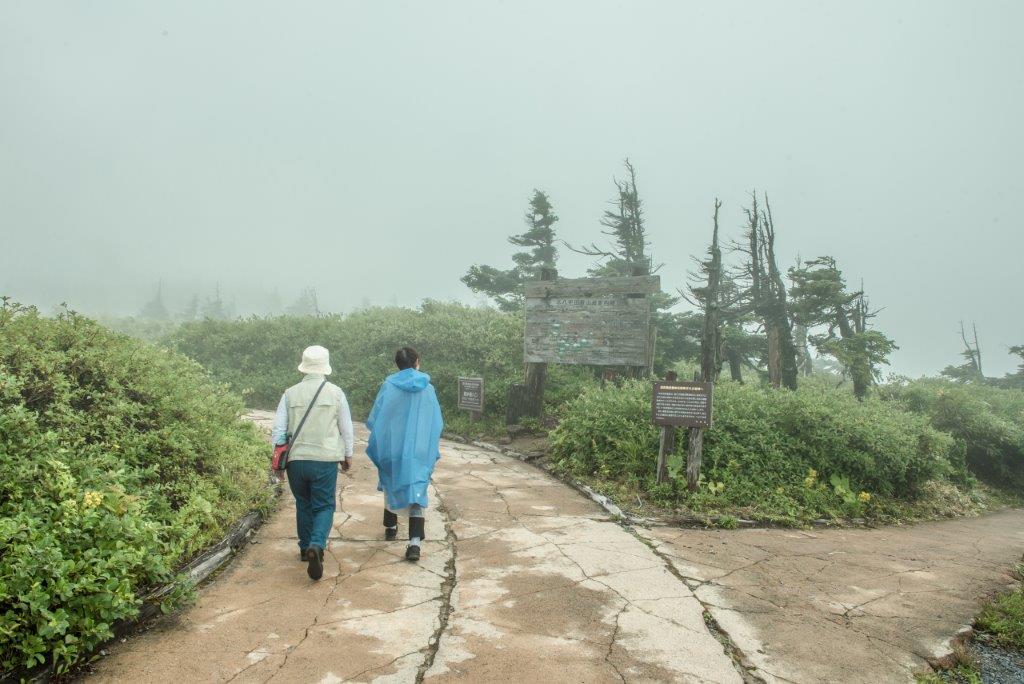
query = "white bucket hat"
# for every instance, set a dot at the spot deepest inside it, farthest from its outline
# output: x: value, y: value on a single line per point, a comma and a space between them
x: 316, y: 360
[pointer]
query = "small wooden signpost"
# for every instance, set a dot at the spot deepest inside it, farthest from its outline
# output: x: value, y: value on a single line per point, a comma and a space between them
x: 679, y: 404
x: 471, y: 396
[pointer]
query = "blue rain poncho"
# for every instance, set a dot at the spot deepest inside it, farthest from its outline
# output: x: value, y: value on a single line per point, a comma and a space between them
x: 405, y: 430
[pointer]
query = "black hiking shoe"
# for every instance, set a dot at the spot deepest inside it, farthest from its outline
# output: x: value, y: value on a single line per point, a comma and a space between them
x: 391, y: 533
x: 412, y: 553
x: 302, y: 556
x: 315, y: 560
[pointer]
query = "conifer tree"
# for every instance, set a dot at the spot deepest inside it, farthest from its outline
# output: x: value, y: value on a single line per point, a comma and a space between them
x: 155, y: 309
x: 624, y: 223
x: 505, y: 287
x: 191, y: 310
x: 970, y: 369
x: 306, y: 304
x: 820, y: 298
x: 216, y: 308
x: 765, y: 294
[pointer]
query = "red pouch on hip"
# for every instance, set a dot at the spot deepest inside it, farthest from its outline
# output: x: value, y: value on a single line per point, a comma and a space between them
x: 280, y: 461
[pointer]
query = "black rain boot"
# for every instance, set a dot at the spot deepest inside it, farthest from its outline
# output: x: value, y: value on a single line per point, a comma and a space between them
x: 315, y: 560
x: 412, y: 552
x: 390, y: 525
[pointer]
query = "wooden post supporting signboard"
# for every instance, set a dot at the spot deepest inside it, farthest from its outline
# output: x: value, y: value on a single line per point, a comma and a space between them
x: 668, y: 440
x: 695, y: 450
x: 531, y: 397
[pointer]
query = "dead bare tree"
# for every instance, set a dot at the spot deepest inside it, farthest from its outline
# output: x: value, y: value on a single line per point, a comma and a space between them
x: 765, y: 294
x: 972, y: 352
x: 709, y: 298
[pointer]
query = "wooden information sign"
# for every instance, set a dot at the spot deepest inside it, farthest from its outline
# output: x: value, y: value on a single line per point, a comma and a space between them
x: 471, y: 394
x: 685, y: 404
x: 591, y: 321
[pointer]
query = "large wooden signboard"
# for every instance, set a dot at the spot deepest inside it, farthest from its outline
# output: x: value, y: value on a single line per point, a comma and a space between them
x: 592, y: 321
x: 471, y: 394
x: 686, y: 404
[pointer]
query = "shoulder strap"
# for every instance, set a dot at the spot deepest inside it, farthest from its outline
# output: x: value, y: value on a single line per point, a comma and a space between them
x: 306, y: 414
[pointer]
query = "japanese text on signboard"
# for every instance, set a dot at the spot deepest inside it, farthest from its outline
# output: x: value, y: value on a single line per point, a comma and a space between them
x: 685, y: 404
x: 471, y: 394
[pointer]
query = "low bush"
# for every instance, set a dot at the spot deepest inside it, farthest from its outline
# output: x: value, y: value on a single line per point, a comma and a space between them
x: 120, y: 460
x: 1001, y: 621
x: 987, y: 422
x: 258, y: 356
x: 788, y: 455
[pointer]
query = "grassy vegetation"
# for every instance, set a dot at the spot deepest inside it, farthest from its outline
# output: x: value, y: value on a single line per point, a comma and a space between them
x: 999, y: 624
x: 120, y: 460
x: 986, y: 421
x: 1001, y: 621
x: 782, y: 457
x: 913, y: 450
x: 258, y: 356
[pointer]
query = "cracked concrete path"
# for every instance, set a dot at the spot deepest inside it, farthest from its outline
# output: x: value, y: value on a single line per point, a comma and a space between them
x: 846, y: 605
x: 521, y: 579
x: 370, y: 618
x: 549, y: 588
x: 525, y: 579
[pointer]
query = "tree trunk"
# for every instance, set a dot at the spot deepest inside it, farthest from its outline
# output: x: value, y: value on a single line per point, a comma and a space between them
x: 777, y: 310
x: 860, y: 388
x: 774, y: 355
x: 709, y: 343
x: 536, y: 373
x: 805, y: 363
x: 735, y: 364
x: 536, y: 381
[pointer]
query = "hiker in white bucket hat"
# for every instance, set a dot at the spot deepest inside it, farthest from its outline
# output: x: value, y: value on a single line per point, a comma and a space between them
x: 316, y: 451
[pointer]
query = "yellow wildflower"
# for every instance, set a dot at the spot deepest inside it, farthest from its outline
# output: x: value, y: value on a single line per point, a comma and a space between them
x: 92, y: 499
x: 864, y: 497
x: 812, y: 477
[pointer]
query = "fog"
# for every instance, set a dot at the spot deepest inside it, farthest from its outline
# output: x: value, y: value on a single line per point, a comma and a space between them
x: 375, y: 151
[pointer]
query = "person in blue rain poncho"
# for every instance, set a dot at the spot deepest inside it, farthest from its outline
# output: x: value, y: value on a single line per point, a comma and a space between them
x: 405, y: 432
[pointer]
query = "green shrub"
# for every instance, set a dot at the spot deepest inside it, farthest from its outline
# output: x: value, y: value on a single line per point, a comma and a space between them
x: 801, y: 453
x: 120, y: 460
x: 988, y: 423
x: 148, y: 329
x: 258, y: 356
x: 1002, y: 619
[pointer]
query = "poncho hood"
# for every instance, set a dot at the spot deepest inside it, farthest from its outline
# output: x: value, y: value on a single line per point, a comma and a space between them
x: 409, y: 380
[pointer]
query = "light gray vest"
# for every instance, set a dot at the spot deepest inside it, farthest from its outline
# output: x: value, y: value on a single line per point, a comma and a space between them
x: 320, y: 438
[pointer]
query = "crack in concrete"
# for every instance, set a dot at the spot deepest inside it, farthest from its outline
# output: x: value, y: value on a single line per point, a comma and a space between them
x: 611, y: 642
x: 338, y: 581
x: 737, y: 656
x: 447, y: 587
x: 381, y: 667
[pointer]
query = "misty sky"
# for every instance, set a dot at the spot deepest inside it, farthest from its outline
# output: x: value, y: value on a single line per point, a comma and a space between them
x: 375, y: 150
